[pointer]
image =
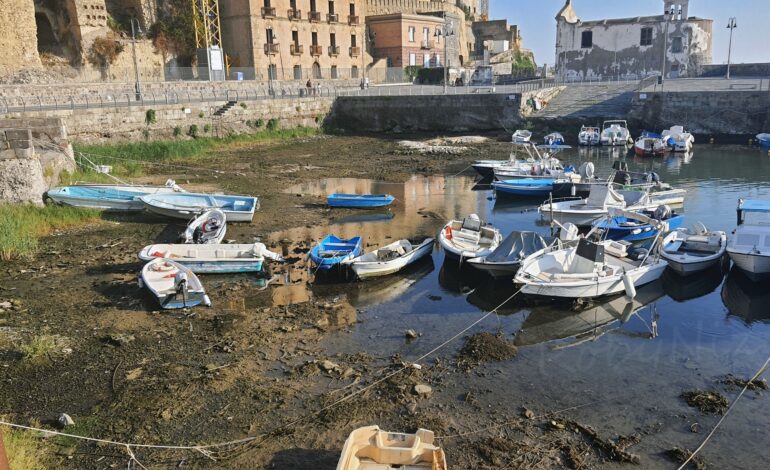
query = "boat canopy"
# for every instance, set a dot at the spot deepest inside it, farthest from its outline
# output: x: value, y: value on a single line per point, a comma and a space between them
x: 754, y: 205
x: 517, y: 246
x: 603, y: 196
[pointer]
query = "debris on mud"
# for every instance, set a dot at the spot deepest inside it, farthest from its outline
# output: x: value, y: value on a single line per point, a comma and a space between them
x: 615, y: 451
x: 485, y: 347
x: 736, y: 382
x: 708, y: 402
x: 680, y: 455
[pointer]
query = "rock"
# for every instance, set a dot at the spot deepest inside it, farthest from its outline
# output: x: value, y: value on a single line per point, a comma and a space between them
x: 423, y: 390
x: 65, y: 420
x: 120, y: 339
x: 411, y: 334
x: 6, y: 305
x: 329, y: 366
x: 529, y: 414
x: 556, y: 425
x: 67, y: 350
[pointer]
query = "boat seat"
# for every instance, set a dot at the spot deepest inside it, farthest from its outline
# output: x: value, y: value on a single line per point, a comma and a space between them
x: 467, y: 236
x: 673, y: 247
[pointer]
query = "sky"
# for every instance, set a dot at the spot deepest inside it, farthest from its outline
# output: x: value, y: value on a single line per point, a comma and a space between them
x: 536, y: 19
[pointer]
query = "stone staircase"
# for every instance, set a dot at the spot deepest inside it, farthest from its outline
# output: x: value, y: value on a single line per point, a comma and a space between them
x: 601, y: 101
x: 224, y: 109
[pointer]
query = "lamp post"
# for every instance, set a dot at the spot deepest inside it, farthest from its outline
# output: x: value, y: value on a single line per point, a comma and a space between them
x: 134, y: 31
x: 446, y: 31
x: 731, y: 25
x: 667, y: 16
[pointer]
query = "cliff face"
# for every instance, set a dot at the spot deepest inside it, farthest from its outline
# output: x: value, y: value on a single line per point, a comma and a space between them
x: 18, y: 36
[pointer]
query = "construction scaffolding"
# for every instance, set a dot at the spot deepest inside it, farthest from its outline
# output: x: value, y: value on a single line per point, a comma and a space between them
x: 212, y: 63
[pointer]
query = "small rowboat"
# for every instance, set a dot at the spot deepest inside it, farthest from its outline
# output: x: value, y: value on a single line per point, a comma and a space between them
x: 185, y: 205
x: 526, y: 187
x: 233, y: 258
x: 468, y: 238
x: 692, y: 251
x: 650, y: 146
x: 332, y: 251
x: 390, y: 259
x: 627, y: 228
x: 111, y: 197
x: 174, y: 285
x: 359, y: 200
x: 369, y: 448
x: 209, y: 228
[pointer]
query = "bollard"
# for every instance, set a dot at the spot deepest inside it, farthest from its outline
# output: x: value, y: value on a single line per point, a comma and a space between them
x: 711, y: 140
x: 3, y: 456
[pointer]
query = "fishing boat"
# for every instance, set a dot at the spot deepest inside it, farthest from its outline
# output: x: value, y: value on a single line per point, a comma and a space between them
x: 521, y: 136
x: 589, y: 136
x: 554, y: 138
x: 468, y: 238
x: 693, y: 250
x: 389, y: 259
x: 209, y: 227
x: 111, y: 197
x: 586, y: 269
x: 650, y: 146
x: 763, y: 140
x: 332, y: 250
x: 505, y: 259
x: 750, y: 247
x: 361, y: 201
x: 370, y: 448
x: 677, y: 139
x: 213, y: 258
x: 486, y: 168
x: 615, y: 133
x: 185, y: 205
x: 526, y: 187
x: 602, y: 198
x: 632, y: 229
x: 174, y: 285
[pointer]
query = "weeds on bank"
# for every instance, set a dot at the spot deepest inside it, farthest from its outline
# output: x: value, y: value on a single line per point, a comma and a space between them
x: 22, y: 225
x: 38, y: 346
x: 25, y: 450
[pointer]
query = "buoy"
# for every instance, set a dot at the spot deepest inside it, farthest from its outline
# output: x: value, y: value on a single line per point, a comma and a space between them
x: 628, y: 283
x: 711, y: 140
x: 448, y: 232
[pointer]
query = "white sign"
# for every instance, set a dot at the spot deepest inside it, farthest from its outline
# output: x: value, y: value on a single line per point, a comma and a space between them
x: 642, y: 96
x: 216, y: 59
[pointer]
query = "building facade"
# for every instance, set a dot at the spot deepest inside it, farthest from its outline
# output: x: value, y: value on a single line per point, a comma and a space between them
x: 632, y: 47
x: 407, y: 40
x: 294, y: 39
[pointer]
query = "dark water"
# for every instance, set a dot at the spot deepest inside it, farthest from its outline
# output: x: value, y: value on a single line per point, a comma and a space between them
x: 604, y: 354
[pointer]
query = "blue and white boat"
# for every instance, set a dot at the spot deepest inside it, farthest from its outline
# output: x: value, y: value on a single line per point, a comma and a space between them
x: 113, y: 197
x: 626, y: 228
x: 763, y: 140
x: 186, y: 205
x: 213, y: 258
x: 174, y: 285
x: 362, y: 201
x: 332, y: 251
x: 526, y: 187
x: 554, y: 138
x: 749, y: 248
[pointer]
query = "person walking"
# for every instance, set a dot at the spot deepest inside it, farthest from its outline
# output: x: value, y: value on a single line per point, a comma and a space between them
x: 309, y: 86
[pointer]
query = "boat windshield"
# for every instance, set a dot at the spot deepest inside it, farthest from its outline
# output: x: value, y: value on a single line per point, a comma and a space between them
x: 755, y: 212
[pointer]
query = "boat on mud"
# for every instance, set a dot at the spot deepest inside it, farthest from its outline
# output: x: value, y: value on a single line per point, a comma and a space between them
x: 389, y: 259
x: 174, y: 285
x: 369, y: 448
x: 110, y: 197
x: 694, y: 250
x: 468, y: 238
x: 185, y: 205
x: 359, y: 201
x: 208, y: 227
x: 213, y: 258
x: 332, y: 250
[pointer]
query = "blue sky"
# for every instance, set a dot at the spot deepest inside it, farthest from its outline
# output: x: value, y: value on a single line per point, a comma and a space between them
x: 538, y: 26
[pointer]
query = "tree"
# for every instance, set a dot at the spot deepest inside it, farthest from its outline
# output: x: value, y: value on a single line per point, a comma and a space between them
x: 103, y: 52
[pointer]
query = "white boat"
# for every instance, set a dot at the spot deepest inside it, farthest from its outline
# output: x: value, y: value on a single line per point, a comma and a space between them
x: 677, y: 139
x: 693, y: 250
x: 615, y: 133
x: 185, y: 205
x: 586, y: 269
x: 370, y: 448
x: 589, y: 136
x: 521, y: 136
x: 602, y: 198
x: 112, y: 197
x: 554, y: 138
x: 647, y: 146
x: 505, y: 260
x: 389, y: 259
x: 468, y: 238
x: 232, y: 258
x: 209, y: 227
x: 750, y: 247
x: 174, y: 285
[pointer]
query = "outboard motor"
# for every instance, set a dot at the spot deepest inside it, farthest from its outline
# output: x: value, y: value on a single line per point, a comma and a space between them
x: 662, y: 212
x: 620, y: 166
x: 622, y: 177
x: 180, y: 282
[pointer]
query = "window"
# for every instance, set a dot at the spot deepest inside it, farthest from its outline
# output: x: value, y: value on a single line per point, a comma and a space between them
x: 587, y: 39
x: 354, y: 70
x: 353, y: 40
x: 426, y: 60
x: 295, y: 38
x: 312, y: 5
x: 314, y: 38
x: 646, y: 39
x: 334, y: 71
x: 676, y: 44
x: 426, y: 34
x: 270, y: 36
x: 272, y: 72
x: 297, y: 72
x: 412, y: 58
x: 331, y: 8
x: 411, y: 33
x: 267, y: 3
x: 438, y: 60
x: 293, y: 4
x: 333, y: 39
x: 352, y: 9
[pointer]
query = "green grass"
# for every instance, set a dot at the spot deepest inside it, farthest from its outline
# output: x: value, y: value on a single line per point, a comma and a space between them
x: 38, y: 346
x: 22, y: 225
x: 25, y: 450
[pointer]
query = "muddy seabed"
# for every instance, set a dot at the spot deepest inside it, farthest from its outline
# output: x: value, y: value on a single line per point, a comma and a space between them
x: 276, y: 361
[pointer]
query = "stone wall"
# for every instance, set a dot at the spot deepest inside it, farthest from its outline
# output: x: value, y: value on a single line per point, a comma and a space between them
x: 736, y: 70
x: 18, y: 37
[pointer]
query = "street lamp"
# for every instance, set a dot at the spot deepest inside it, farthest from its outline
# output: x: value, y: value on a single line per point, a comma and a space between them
x: 445, y: 31
x: 731, y: 25
x: 134, y: 31
x: 667, y: 17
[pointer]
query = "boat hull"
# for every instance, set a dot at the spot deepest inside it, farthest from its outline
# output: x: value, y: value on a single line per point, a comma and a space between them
x: 368, y: 270
x: 524, y: 188
x: 755, y: 266
x: 360, y: 202
x: 687, y: 269
x: 101, y: 204
x: 496, y: 270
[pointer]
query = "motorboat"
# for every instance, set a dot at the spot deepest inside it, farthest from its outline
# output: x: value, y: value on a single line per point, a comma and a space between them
x: 524, y: 187
x: 633, y: 229
x: 390, y: 259
x: 110, y: 197
x: 677, y: 139
x: 750, y: 247
x: 586, y: 269
x: 615, y: 133
x: 174, y: 285
x: 650, y: 146
x: 554, y: 138
x: 213, y: 258
x: 505, y: 259
x: 589, y: 136
x: 185, y: 205
x: 693, y: 250
x: 582, y: 212
x: 468, y: 238
x: 332, y: 250
x: 369, y: 448
x: 208, y: 227
x: 521, y: 136
x: 360, y: 201
x: 486, y: 168
x: 763, y: 140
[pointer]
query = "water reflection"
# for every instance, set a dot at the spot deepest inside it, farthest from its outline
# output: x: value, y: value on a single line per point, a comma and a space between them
x: 684, y: 288
x: 389, y: 288
x: 745, y: 298
x: 364, y: 218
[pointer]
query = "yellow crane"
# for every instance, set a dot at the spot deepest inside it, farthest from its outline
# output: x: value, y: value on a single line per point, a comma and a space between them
x: 208, y: 31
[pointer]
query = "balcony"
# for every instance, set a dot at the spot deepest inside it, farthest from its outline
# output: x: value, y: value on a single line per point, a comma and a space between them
x: 316, y: 50
x: 333, y: 18
x: 355, y: 51
x: 334, y: 51
x: 294, y: 14
x: 268, y: 12
x: 353, y: 20
x: 427, y: 44
x: 296, y: 49
x: 271, y: 49
x: 314, y: 16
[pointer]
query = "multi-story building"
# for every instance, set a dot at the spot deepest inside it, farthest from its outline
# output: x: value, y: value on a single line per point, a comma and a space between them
x: 407, y: 40
x: 294, y: 39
